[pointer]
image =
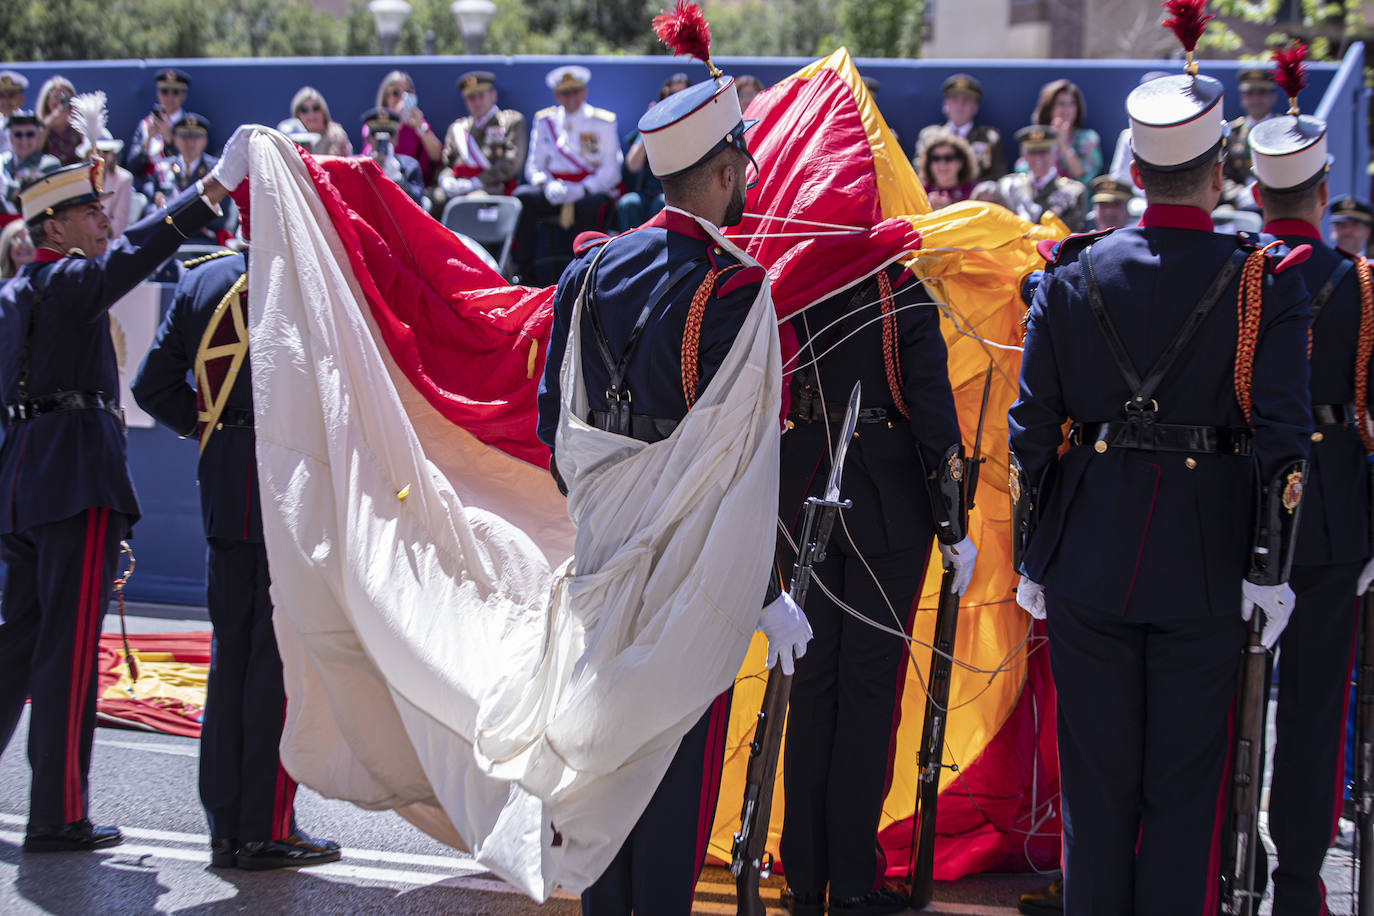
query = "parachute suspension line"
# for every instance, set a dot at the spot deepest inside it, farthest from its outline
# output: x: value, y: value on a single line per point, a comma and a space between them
x: 765, y: 217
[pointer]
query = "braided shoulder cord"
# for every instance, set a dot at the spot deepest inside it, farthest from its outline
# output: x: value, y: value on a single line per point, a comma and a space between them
x: 891, y: 362
x: 1249, y: 310
x: 691, y: 338
x: 1364, y: 347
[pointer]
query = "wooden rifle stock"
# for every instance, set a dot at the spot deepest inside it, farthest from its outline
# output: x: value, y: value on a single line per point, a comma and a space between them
x: 930, y: 760
x: 1238, y: 897
x: 1362, y: 792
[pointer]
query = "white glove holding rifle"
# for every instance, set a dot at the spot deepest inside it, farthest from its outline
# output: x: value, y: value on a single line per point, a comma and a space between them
x: 787, y: 629
x: 1031, y: 596
x: 1366, y: 578
x: 960, y: 557
x: 1275, y: 600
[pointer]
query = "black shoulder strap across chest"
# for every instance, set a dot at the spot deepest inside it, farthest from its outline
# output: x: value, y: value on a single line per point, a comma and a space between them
x: 617, y: 368
x: 1324, y: 294
x: 1142, y: 390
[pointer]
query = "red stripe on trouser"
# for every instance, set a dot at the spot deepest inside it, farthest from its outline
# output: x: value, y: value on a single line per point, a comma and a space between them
x: 83, y: 659
x: 1209, y: 903
x: 284, y: 798
x: 712, y: 764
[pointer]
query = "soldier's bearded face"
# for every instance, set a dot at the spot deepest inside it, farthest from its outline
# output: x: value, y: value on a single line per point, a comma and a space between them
x: 734, y: 211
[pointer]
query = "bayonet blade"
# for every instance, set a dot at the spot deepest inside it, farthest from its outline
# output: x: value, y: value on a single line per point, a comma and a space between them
x: 976, y: 464
x: 851, y: 423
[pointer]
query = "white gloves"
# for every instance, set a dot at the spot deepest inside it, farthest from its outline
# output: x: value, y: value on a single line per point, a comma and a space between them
x: 1031, y: 596
x: 232, y: 167
x: 1275, y: 600
x: 457, y: 187
x: 559, y: 192
x: 1366, y: 578
x: 787, y: 629
x: 961, y: 557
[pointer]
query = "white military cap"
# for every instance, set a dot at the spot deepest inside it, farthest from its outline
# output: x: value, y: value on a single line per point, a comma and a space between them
x: 568, y: 76
x: 1289, y: 151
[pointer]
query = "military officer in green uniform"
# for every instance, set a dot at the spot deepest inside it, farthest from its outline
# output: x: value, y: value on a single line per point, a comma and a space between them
x: 485, y: 151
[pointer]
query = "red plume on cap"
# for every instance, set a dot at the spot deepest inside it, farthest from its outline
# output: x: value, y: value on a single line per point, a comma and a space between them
x: 1188, y: 23
x: 1290, y: 73
x: 686, y: 31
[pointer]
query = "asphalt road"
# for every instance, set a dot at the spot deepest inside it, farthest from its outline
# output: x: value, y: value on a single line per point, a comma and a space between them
x: 146, y: 783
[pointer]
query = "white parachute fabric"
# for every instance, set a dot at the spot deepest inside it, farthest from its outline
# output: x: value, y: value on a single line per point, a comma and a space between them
x: 440, y: 657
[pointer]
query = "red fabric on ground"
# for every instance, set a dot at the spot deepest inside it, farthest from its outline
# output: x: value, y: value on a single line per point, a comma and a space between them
x: 171, y: 715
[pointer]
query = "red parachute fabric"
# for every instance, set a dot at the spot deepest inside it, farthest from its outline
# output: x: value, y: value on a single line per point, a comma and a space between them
x: 169, y: 695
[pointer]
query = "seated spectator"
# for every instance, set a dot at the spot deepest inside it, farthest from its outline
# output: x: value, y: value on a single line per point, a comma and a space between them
x: 60, y: 138
x: 1031, y: 193
x: 645, y: 197
x: 1110, y: 198
x: 1079, y: 148
x: 12, y: 87
x: 380, y: 125
x: 152, y: 139
x: 309, y: 107
x: 1351, y: 221
x: 947, y: 169
x: 962, y: 96
x: 573, y: 168
x: 484, y: 153
x: 747, y: 86
x: 117, y: 181
x: 16, y: 249
x: 415, y: 139
x: 187, y: 164
x: 295, y: 131
x: 25, y: 160
x: 1257, y: 93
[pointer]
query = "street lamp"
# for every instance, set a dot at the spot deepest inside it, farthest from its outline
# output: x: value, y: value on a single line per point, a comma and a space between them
x: 473, y: 18
x: 389, y: 16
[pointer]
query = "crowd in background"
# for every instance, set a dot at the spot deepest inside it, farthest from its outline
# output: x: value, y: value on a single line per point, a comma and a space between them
x: 1060, y: 169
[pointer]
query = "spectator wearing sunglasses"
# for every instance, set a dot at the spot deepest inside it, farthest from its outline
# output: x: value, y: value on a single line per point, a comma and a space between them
x: 948, y: 170
x: 12, y: 88
x: 310, y: 108
x: 152, y: 140
x: 415, y: 138
x: 25, y: 160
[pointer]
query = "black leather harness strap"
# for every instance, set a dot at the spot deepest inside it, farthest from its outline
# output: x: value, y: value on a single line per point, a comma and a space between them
x: 1142, y: 390
x: 1324, y: 294
x: 1334, y: 414
x: 61, y: 402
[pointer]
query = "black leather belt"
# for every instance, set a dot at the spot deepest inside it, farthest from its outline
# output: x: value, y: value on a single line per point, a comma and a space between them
x: 837, y: 414
x: 645, y: 429
x: 1333, y: 414
x: 62, y: 401
x: 1162, y: 437
x: 236, y: 417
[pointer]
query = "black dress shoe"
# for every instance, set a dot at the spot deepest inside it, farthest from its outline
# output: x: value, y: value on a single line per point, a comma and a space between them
x: 78, y: 836
x: 1044, y: 902
x: 874, y: 903
x: 224, y: 853
x: 296, y: 851
x: 803, y: 904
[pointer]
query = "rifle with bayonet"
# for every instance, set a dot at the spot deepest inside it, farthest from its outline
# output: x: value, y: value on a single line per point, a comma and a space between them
x: 1238, y: 896
x: 921, y: 866
x: 750, y: 861
x: 1362, y: 789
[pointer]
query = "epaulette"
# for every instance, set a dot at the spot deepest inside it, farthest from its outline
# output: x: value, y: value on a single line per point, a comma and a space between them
x: 586, y: 241
x: 546, y: 112
x: 203, y: 259
x: 602, y: 113
x: 731, y: 274
x: 1057, y: 251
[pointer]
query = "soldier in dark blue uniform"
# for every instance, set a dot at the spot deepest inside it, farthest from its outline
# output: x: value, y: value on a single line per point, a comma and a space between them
x: 382, y: 125
x: 1316, y: 650
x: 903, y: 474
x: 183, y: 167
x: 248, y: 796
x: 639, y: 288
x: 152, y: 138
x: 66, y: 499
x: 1171, y: 515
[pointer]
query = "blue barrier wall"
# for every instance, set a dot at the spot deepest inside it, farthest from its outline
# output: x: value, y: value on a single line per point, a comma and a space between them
x: 169, y: 543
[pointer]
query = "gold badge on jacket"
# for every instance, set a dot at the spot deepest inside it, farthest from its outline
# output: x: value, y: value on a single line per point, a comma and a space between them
x: 590, y: 143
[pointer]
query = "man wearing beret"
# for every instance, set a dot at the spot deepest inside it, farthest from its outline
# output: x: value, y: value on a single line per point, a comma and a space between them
x: 1031, y: 193
x: 1351, y: 221
x: 152, y: 139
x: 486, y: 150
x: 66, y: 499
x: 573, y: 169
x: 963, y: 94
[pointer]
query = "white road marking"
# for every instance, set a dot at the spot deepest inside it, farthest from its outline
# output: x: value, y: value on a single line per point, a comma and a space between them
x: 176, y: 750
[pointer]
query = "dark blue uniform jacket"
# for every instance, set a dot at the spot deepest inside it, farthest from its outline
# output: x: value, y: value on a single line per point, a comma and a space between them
x: 633, y: 265
x: 59, y: 464
x: 1140, y: 532
x: 228, y: 468
x: 1334, y: 526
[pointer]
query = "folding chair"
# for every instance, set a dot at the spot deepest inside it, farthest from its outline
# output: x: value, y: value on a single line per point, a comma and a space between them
x: 488, y: 220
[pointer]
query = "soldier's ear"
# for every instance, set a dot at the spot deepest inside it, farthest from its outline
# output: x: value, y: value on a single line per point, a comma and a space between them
x: 1135, y: 175
x: 1255, y: 193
